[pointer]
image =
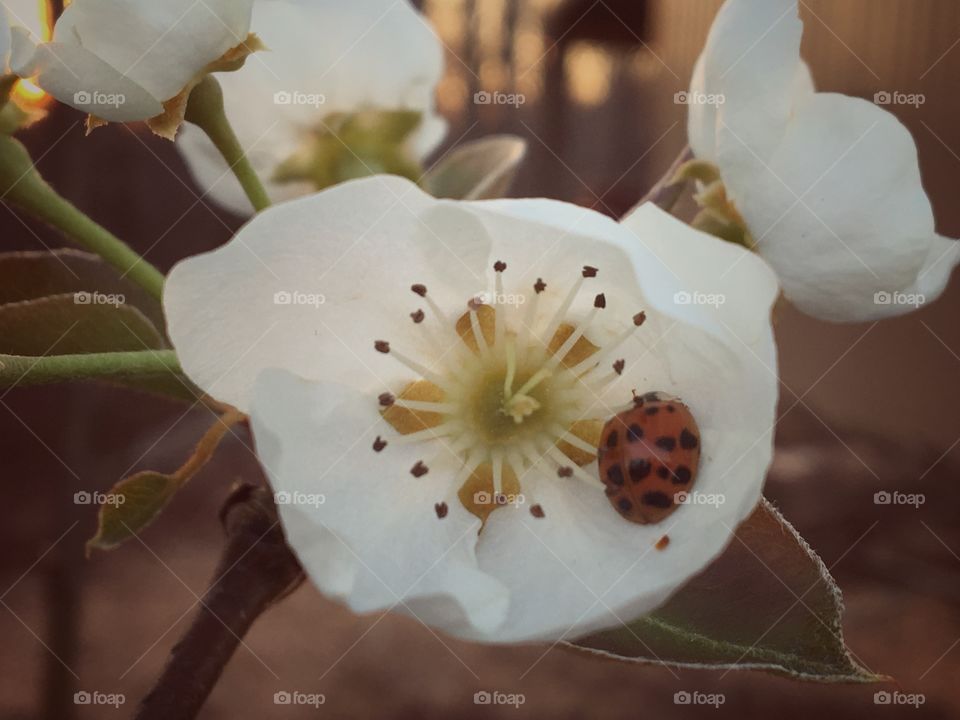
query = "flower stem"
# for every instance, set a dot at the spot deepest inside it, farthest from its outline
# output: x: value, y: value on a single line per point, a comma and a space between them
x: 15, y: 370
x: 22, y: 185
x: 205, y: 110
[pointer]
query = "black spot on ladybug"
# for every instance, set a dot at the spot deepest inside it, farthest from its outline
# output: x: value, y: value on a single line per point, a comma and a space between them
x: 652, y: 410
x: 615, y: 474
x: 612, y: 439
x: 688, y: 441
x: 639, y: 469
x: 663, y: 472
x: 682, y: 475
x: 625, y: 505
x: 667, y: 443
x: 657, y: 499
x: 671, y: 408
x: 634, y: 433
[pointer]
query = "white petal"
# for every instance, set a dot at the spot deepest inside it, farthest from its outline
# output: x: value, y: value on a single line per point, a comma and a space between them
x: 161, y: 46
x: 375, y: 542
x: 78, y: 78
x: 839, y: 209
x: 4, y: 42
x: 358, y: 247
x: 365, y: 54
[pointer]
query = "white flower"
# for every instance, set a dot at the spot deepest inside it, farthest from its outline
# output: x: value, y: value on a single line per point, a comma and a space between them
x: 127, y: 60
x: 327, y: 60
x: 829, y: 185
x: 406, y: 441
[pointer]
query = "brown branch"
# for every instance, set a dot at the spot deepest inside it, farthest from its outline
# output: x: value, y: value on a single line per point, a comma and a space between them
x: 256, y: 569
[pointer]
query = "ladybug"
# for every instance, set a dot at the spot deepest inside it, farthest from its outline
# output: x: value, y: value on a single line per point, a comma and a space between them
x: 647, y: 456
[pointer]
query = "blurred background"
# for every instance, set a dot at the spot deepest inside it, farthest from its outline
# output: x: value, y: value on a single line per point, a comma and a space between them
x: 864, y: 407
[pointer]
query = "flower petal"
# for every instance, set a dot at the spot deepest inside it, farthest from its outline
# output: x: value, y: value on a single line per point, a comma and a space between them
x: 161, y: 46
x: 839, y: 209
x: 361, y: 55
x: 356, y: 249
x: 375, y: 541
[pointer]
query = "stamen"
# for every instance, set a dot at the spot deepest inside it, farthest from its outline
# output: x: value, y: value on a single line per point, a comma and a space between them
x: 419, y: 470
x: 478, y: 335
x: 427, y: 374
x: 531, y: 314
x: 418, y: 316
x: 575, y: 440
x: 563, y: 461
x: 424, y: 406
x: 421, y: 290
x: 441, y: 509
x: 595, y: 360
x: 599, y: 303
x: 497, y: 473
x: 500, y: 327
x: 379, y: 444
x: 511, y: 353
x: 561, y: 314
x: 537, y: 511
x: 434, y: 433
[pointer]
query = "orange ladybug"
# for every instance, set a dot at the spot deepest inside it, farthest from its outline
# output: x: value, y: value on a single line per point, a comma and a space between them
x: 647, y: 456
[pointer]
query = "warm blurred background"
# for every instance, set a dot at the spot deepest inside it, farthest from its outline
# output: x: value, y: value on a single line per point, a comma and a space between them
x: 865, y: 407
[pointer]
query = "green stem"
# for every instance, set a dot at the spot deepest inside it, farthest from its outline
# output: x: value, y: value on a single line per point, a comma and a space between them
x: 16, y: 370
x: 205, y: 110
x: 21, y: 184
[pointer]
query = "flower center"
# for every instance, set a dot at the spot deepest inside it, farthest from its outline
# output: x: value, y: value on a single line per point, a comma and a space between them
x: 512, y: 394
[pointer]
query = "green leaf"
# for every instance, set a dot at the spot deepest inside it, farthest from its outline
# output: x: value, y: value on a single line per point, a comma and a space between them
x: 134, y: 503
x: 33, y: 275
x: 75, y: 323
x: 478, y: 170
x: 767, y: 603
